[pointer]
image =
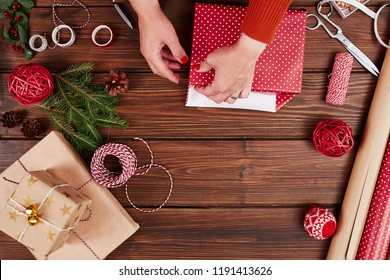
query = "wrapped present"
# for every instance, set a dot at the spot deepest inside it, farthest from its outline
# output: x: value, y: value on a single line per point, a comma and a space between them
x: 279, y: 69
x: 109, y: 225
x: 42, y: 212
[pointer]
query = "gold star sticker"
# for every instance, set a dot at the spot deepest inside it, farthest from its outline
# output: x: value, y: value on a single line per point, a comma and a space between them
x: 28, y: 201
x: 50, y: 235
x: 49, y: 201
x: 31, y: 181
x: 13, y: 216
x: 65, y: 210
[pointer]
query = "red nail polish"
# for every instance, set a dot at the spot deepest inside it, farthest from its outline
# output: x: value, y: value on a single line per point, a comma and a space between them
x: 196, y: 66
x: 184, y: 60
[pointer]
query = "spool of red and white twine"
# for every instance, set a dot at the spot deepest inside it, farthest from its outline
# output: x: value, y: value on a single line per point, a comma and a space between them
x: 128, y: 162
x: 339, y: 79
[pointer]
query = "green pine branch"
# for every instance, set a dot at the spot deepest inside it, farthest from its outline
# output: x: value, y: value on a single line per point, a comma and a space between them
x: 77, y: 109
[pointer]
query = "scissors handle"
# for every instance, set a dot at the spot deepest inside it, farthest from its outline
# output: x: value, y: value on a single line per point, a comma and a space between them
x: 319, y: 23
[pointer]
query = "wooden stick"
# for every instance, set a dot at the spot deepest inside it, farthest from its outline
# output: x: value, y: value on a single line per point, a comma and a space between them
x: 365, y: 171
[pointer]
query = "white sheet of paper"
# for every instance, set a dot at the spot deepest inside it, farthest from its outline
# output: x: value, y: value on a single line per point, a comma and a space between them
x: 256, y: 101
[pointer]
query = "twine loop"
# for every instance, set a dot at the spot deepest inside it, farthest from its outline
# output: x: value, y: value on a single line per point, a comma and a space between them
x: 128, y: 162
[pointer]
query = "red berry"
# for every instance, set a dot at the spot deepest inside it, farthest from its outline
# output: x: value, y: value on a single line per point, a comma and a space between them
x: 17, y: 18
x: 16, y: 48
x: 7, y: 15
x: 18, y: 5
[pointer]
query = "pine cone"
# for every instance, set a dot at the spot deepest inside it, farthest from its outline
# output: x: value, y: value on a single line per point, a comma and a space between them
x: 11, y: 119
x: 32, y: 128
x: 116, y: 83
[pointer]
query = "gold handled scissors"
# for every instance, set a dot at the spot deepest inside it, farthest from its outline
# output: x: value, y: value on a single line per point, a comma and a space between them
x: 358, y: 54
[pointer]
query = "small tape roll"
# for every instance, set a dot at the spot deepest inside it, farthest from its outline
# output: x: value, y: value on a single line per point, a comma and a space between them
x: 55, y: 32
x: 32, y: 40
x: 96, y: 30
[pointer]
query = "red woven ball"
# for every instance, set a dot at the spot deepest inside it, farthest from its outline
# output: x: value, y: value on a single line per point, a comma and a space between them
x: 30, y: 83
x: 333, y: 138
x: 319, y: 223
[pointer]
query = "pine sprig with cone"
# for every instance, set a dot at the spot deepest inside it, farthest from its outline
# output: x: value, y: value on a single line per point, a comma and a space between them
x: 77, y: 109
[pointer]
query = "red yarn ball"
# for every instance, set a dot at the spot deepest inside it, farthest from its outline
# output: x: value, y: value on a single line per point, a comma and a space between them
x: 319, y: 223
x: 30, y: 83
x: 333, y: 138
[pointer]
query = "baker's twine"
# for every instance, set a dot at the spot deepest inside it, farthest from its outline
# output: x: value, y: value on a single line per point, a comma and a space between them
x: 128, y: 162
x: 339, y: 79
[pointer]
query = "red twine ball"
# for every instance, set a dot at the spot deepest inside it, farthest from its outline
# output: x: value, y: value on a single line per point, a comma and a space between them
x: 30, y: 83
x: 333, y: 138
x: 319, y: 223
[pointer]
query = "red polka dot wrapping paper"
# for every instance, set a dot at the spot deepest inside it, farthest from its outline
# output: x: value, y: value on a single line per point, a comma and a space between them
x: 375, y: 241
x: 279, y: 69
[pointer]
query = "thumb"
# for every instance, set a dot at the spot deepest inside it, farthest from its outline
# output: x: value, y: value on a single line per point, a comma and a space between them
x: 178, y: 51
x: 202, y: 66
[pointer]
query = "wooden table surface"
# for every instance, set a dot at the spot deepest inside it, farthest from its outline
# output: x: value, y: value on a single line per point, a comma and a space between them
x: 243, y: 179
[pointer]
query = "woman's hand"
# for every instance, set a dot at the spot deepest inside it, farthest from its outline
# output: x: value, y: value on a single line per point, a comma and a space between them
x: 158, y: 40
x: 234, y: 67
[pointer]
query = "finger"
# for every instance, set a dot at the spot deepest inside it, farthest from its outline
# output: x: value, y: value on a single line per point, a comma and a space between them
x: 177, y: 50
x: 173, y: 65
x: 203, y: 67
x: 165, y: 72
x: 231, y: 99
x: 245, y: 93
x: 206, y: 90
x: 167, y: 54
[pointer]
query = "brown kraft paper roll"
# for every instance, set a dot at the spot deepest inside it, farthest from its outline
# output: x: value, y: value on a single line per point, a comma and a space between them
x: 365, y: 171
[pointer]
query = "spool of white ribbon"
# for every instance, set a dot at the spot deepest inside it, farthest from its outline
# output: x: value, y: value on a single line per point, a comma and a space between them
x: 55, y: 39
x: 96, y: 30
x: 32, y: 40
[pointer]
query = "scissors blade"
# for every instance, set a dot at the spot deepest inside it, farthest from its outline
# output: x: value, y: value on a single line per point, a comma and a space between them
x: 360, y: 56
x: 123, y: 16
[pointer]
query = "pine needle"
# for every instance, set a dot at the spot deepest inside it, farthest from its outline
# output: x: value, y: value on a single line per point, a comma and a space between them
x: 77, y: 109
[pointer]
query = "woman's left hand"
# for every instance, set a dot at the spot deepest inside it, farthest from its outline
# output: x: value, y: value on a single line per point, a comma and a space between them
x: 234, y: 67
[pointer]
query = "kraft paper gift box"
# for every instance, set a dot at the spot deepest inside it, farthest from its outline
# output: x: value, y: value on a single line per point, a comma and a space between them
x: 279, y: 69
x: 109, y: 225
x: 58, y: 210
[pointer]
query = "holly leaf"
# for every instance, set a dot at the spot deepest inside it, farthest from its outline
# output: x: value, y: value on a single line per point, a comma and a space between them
x: 23, y: 22
x: 25, y: 10
x: 26, y: 3
x: 4, y: 4
x: 28, y: 54
x: 22, y: 34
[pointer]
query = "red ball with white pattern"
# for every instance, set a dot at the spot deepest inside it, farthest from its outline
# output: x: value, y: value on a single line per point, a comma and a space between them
x: 319, y: 223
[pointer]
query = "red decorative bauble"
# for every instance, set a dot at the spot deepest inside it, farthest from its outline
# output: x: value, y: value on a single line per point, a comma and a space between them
x: 30, y: 83
x: 319, y: 223
x: 333, y: 138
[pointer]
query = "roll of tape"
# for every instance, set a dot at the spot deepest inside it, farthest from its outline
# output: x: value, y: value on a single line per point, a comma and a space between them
x: 55, y: 32
x: 32, y: 40
x: 96, y: 30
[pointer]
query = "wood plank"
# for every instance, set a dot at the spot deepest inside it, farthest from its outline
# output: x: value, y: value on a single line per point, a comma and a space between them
x: 99, y: 3
x: 227, y: 173
x: 124, y: 53
x: 155, y: 108
x: 275, y: 233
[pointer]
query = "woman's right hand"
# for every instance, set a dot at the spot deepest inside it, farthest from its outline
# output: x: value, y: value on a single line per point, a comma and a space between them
x: 158, y: 40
